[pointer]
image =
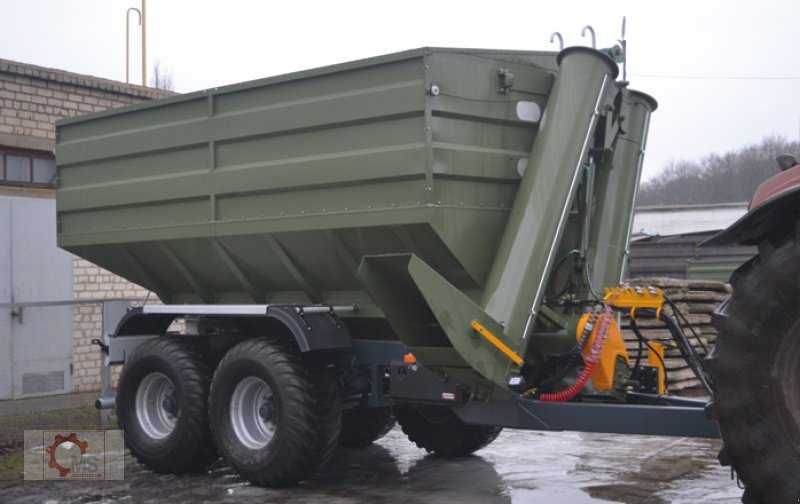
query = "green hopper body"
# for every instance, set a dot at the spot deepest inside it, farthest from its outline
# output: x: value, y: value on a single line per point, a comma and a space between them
x: 429, y: 189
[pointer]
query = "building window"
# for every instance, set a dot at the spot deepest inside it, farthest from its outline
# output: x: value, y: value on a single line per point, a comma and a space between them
x: 44, y: 171
x: 27, y: 168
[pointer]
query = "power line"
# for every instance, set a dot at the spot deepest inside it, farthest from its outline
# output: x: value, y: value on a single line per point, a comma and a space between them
x: 710, y: 77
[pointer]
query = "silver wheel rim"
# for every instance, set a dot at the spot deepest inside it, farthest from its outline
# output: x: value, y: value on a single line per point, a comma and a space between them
x: 157, y: 406
x: 253, y: 413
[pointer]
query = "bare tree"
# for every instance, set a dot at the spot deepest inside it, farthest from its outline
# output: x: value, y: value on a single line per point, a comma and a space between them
x: 717, y: 178
x: 162, y: 77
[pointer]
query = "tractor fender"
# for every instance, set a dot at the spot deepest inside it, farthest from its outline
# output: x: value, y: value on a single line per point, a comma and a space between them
x: 775, y: 206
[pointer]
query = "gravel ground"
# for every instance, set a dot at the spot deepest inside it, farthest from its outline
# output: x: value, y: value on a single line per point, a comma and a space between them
x: 519, y: 467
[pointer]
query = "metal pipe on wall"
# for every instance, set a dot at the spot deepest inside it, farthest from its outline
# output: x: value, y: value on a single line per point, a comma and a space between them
x: 144, y: 45
x: 128, y: 41
x: 143, y: 24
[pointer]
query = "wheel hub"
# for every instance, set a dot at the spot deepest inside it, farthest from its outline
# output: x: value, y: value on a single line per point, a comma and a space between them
x: 267, y: 411
x: 170, y: 404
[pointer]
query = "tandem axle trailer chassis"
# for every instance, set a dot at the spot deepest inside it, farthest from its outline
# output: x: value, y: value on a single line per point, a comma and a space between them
x: 391, y: 380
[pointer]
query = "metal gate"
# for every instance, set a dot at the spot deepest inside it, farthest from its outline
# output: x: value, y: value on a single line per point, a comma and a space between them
x: 36, y: 338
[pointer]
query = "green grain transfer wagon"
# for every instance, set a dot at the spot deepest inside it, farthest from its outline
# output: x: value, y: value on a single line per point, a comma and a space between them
x: 422, y: 237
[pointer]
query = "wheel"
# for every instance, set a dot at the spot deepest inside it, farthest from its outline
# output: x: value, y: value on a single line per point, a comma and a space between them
x: 362, y: 427
x: 275, y: 415
x: 162, y: 400
x: 437, y: 429
x: 756, y: 371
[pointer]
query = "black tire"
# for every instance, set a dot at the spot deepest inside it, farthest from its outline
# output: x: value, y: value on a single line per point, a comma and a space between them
x: 362, y: 427
x: 437, y: 429
x: 756, y: 371
x: 179, y: 441
x: 327, y: 409
x: 301, y: 407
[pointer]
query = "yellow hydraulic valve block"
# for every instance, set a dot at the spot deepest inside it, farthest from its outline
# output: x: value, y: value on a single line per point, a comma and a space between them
x: 635, y: 297
x: 638, y: 297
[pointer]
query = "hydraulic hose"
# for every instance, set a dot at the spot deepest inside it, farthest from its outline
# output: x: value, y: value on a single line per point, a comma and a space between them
x: 574, y: 356
x: 591, y: 361
x: 645, y: 342
x: 688, y: 352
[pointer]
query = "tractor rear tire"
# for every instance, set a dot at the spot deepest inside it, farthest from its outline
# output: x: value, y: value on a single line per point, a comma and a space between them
x: 437, y: 429
x: 162, y: 406
x: 755, y: 366
x: 275, y: 416
x: 362, y: 427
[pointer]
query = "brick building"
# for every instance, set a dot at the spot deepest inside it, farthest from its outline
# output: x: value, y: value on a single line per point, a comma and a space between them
x: 34, y: 97
x: 32, y: 268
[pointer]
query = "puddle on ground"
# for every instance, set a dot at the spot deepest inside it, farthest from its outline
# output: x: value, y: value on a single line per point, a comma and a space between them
x: 520, y: 467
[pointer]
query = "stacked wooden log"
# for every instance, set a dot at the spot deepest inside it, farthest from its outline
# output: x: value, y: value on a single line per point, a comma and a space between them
x: 696, y: 299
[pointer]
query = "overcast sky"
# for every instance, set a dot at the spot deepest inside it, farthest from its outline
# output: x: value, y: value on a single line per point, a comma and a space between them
x: 725, y: 73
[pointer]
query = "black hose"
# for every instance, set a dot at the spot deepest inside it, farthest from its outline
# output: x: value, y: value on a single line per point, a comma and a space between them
x: 685, y: 321
x: 574, y: 357
x: 648, y: 343
x: 556, y: 269
x: 688, y: 352
x: 640, y: 348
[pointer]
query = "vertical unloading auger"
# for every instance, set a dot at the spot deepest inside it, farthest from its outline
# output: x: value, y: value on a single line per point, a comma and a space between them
x: 583, y: 86
x: 615, y: 188
x: 492, y: 334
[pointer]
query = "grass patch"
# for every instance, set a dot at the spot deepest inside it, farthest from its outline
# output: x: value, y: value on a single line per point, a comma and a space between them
x: 11, y: 467
x: 12, y: 427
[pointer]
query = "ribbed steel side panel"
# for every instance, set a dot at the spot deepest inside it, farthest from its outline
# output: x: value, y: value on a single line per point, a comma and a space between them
x: 274, y: 190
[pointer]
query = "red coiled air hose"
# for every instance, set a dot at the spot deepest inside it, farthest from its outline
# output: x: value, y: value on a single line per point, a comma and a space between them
x: 594, y: 356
